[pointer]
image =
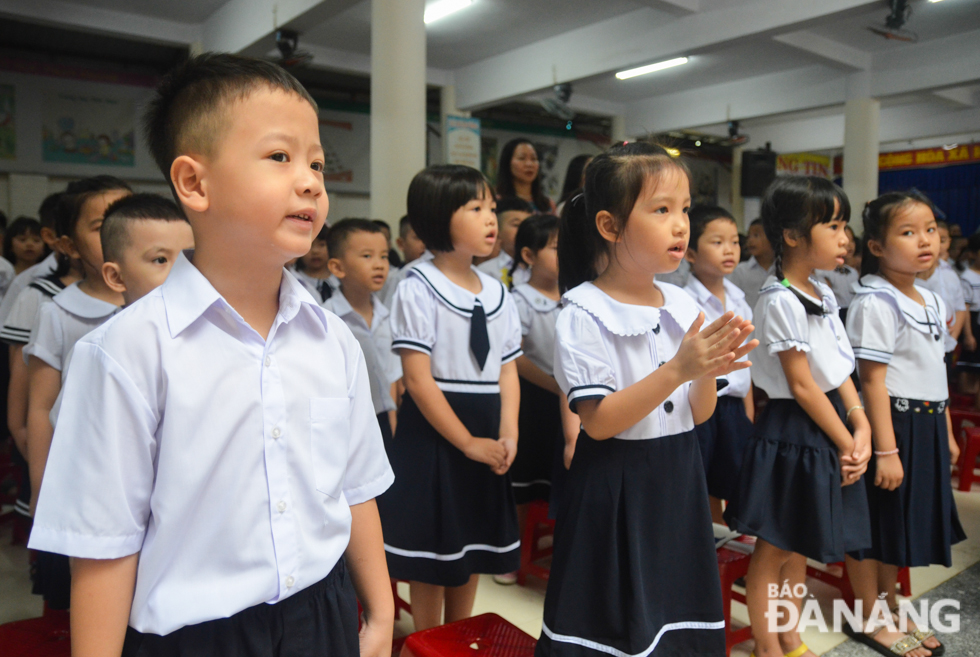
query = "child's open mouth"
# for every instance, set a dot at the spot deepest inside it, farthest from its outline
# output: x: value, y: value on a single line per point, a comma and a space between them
x: 303, y: 215
x: 677, y: 251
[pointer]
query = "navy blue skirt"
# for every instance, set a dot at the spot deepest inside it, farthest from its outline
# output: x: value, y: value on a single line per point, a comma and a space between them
x: 969, y: 360
x: 447, y: 517
x: 722, y: 440
x: 789, y: 491
x: 634, y: 569
x: 539, y: 426
x: 915, y: 524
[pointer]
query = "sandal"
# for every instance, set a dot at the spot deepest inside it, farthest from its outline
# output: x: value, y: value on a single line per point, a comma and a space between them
x: 921, y: 636
x: 798, y: 652
x: 903, y: 646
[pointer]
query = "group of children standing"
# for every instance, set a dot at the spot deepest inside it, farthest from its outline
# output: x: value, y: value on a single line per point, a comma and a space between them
x: 231, y: 463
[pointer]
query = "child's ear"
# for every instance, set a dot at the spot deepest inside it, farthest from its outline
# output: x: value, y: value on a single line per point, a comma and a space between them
x: 791, y: 238
x: 336, y: 267
x: 875, y: 248
x: 66, y: 246
x: 112, y: 276
x: 187, y: 175
x: 527, y: 255
x: 48, y: 236
x: 608, y: 226
x: 690, y: 255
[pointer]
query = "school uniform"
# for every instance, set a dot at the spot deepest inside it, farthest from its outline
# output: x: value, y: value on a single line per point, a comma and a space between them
x: 946, y: 283
x: 321, y: 288
x: 749, y: 276
x: 678, y: 277
x: 228, y: 461
x: 840, y: 280
x: 634, y: 570
x: 542, y: 440
x: 7, y: 276
x: 915, y: 524
x: 384, y: 367
x: 970, y: 284
x: 396, y: 276
x: 22, y: 280
x: 789, y: 492
x: 722, y: 438
x: 448, y: 517
x: 500, y: 268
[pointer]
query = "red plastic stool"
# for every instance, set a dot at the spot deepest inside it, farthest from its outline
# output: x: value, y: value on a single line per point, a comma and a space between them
x: 537, y: 527
x: 731, y: 566
x: 969, y: 440
x: 843, y: 584
x: 400, y: 604
x: 487, y: 635
x: 47, y: 636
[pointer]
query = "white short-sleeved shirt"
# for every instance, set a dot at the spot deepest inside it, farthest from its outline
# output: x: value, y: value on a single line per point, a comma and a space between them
x: 840, y: 281
x: 62, y: 323
x: 314, y: 285
x: 740, y: 381
x: 499, y: 268
x: 885, y: 326
x: 384, y: 367
x: 538, y: 317
x: 22, y: 280
x: 677, y: 277
x: 970, y: 283
x: 432, y: 314
x: 782, y: 323
x: 396, y: 276
x: 228, y: 461
x: 946, y: 283
x: 603, y: 346
x: 7, y: 276
x: 23, y: 314
x: 750, y: 276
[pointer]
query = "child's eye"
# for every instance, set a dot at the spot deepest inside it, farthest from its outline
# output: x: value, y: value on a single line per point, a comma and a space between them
x: 661, y: 210
x: 279, y: 157
x: 317, y: 166
x: 160, y: 260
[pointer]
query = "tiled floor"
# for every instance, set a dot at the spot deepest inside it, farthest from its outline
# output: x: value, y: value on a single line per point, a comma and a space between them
x: 523, y: 605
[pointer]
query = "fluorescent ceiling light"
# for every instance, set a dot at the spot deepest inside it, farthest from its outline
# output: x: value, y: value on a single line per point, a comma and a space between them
x: 443, y: 8
x: 650, y: 68
x: 935, y: 1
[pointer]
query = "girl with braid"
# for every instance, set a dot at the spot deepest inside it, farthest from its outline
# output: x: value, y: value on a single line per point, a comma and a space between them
x: 812, y: 442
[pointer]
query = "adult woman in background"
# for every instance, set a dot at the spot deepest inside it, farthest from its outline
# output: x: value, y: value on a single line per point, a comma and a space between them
x: 519, y: 174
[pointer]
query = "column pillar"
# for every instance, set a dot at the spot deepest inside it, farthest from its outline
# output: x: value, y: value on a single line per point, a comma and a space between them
x: 397, y: 103
x: 447, y: 108
x: 861, y: 142
x: 618, y: 128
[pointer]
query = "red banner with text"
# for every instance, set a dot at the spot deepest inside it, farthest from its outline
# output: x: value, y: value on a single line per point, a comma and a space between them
x: 929, y: 157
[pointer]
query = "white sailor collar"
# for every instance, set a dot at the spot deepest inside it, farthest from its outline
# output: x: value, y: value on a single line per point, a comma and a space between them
x: 458, y: 299
x: 827, y: 299
x: 704, y: 295
x: 925, y: 319
x: 627, y: 319
x: 80, y: 304
x: 534, y: 298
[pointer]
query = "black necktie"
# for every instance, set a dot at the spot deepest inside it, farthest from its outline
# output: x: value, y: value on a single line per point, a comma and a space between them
x: 479, y: 340
x: 325, y: 291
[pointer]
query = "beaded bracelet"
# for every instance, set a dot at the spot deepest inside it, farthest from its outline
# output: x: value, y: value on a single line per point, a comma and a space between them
x: 888, y: 453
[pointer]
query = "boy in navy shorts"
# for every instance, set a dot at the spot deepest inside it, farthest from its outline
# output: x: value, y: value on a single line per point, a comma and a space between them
x: 216, y: 457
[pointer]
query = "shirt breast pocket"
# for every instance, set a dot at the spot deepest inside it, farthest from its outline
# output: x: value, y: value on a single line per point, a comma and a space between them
x: 330, y: 435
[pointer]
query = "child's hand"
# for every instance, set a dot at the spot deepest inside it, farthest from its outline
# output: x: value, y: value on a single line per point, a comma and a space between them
x: 889, y: 472
x: 954, y: 451
x: 712, y: 352
x: 375, y: 640
x: 489, y: 451
x: 969, y: 343
x: 510, y: 451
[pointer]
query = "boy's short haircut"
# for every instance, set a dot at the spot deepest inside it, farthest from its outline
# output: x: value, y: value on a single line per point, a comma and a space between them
x: 47, y: 214
x: 942, y: 223
x: 514, y: 204
x: 403, y: 226
x: 382, y: 224
x: 339, y: 234
x: 187, y: 111
x: 756, y: 222
x: 702, y: 215
x: 119, y: 218
x: 435, y: 194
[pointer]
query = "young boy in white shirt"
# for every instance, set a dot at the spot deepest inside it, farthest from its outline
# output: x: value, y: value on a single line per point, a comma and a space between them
x: 751, y: 274
x: 217, y: 456
x: 359, y: 258
x: 511, y: 213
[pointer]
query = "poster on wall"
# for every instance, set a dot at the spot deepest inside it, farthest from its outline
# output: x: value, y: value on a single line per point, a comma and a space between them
x: 88, y: 129
x: 346, y: 141
x: 463, y: 141
x: 8, y: 140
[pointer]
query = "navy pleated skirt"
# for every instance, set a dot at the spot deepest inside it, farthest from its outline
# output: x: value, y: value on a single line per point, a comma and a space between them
x: 634, y: 569
x: 722, y: 440
x: 539, y: 426
x: 789, y: 492
x: 915, y: 524
x: 447, y: 517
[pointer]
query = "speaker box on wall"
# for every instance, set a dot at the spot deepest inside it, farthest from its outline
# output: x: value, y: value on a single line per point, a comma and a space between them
x: 758, y: 170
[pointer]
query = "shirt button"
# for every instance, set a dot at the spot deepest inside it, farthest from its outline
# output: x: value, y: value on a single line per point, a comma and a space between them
x: 276, y: 433
x: 268, y: 361
x: 281, y: 507
x: 289, y: 582
x: 668, y: 406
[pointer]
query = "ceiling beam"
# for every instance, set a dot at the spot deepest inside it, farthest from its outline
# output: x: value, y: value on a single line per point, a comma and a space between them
x: 827, y: 50
x: 249, y: 26
x: 638, y: 37
x: 344, y: 61
x: 101, y: 21
x: 584, y: 104
x: 675, y: 7
x: 958, y: 96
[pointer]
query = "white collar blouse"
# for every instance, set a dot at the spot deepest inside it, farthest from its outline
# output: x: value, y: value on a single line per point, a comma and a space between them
x: 603, y: 346
x: 739, y: 381
x: 538, y: 316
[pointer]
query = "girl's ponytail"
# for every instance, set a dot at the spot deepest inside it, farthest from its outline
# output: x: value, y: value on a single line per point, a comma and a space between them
x: 578, y: 245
